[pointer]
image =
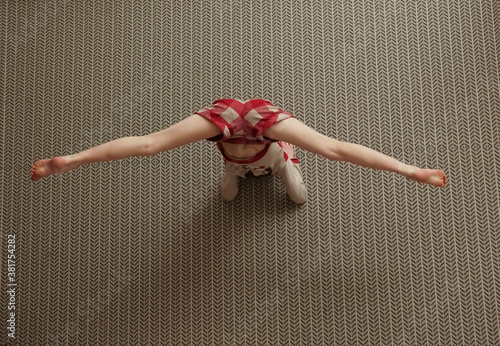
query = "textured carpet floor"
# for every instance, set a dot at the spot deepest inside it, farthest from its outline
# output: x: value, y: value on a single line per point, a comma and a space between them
x: 143, y: 251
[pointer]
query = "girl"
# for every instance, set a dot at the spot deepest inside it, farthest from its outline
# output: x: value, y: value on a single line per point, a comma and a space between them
x: 255, y: 139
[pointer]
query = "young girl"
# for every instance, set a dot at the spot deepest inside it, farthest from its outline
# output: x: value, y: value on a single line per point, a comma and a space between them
x: 255, y: 139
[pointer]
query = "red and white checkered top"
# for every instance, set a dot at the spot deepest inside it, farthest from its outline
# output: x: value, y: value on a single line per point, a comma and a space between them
x: 243, y: 122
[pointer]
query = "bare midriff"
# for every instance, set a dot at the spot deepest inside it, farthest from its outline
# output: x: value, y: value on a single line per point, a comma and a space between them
x: 242, y: 151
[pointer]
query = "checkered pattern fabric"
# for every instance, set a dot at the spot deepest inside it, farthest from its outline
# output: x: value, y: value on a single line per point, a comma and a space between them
x: 243, y: 122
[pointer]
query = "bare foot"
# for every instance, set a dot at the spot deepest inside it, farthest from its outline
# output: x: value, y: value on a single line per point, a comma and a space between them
x: 58, y: 164
x: 434, y: 177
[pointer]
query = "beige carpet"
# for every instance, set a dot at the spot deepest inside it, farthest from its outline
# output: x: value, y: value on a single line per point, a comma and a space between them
x: 143, y: 251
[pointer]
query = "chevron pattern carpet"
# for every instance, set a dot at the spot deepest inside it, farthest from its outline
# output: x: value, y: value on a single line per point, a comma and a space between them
x: 144, y: 251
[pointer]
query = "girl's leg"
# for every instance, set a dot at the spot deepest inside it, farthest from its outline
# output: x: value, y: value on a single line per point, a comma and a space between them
x: 117, y: 149
x: 366, y: 157
x: 189, y: 130
x: 297, y: 133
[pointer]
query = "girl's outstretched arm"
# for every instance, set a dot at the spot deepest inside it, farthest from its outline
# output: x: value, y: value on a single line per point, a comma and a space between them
x: 191, y: 129
x: 295, y: 132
